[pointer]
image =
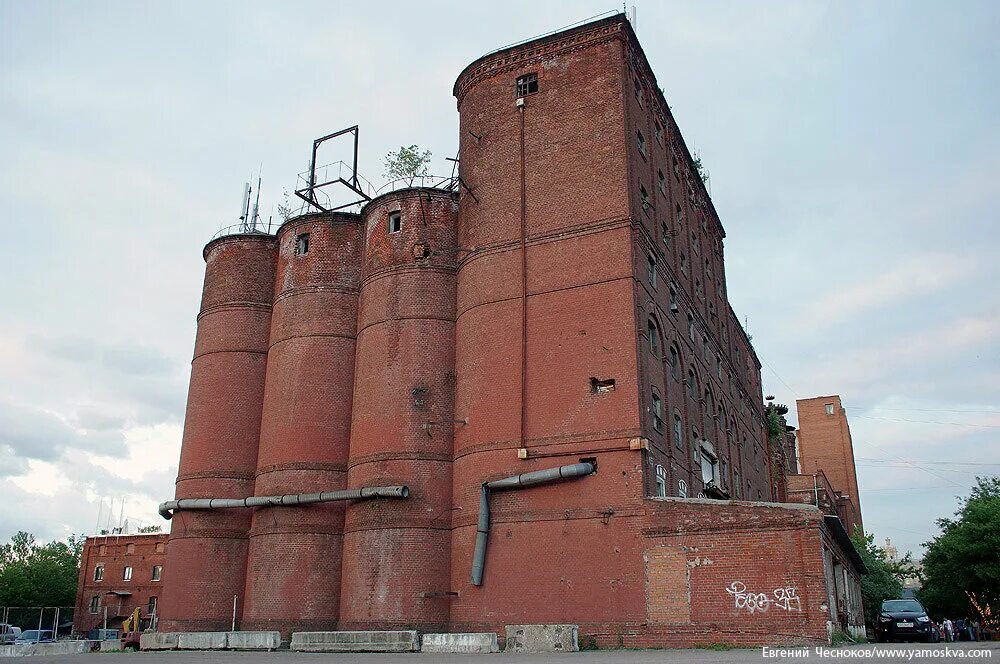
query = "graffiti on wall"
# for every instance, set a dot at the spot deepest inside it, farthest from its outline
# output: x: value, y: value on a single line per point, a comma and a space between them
x: 785, y: 598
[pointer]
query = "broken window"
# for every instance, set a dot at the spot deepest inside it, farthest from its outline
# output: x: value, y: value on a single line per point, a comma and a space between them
x: 661, y: 481
x: 641, y: 142
x: 644, y: 197
x: 526, y: 85
x: 602, y: 386
x: 657, y: 410
x: 302, y: 244
x: 99, y: 573
x: 654, y: 338
x: 395, y: 222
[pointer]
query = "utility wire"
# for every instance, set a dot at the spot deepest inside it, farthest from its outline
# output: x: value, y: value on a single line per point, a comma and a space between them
x: 953, y: 424
x: 925, y: 410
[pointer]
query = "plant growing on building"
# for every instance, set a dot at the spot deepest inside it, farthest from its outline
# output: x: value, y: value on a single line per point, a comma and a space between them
x: 698, y: 166
x: 962, y: 567
x: 407, y: 163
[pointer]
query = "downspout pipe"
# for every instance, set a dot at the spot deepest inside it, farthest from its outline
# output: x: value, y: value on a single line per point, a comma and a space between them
x: 522, y: 481
x: 291, y: 500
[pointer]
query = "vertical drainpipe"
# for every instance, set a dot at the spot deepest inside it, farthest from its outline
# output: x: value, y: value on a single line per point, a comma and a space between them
x: 770, y: 473
x: 524, y: 283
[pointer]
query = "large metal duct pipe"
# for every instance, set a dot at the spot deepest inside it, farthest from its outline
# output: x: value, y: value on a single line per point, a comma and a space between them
x: 290, y: 500
x: 522, y: 481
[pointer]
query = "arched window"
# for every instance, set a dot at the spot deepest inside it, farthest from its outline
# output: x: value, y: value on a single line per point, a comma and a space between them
x: 661, y: 481
x: 675, y: 363
x: 682, y: 489
x: 657, y: 410
x: 654, y: 337
x: 678, y: 431
x: 692, y: 384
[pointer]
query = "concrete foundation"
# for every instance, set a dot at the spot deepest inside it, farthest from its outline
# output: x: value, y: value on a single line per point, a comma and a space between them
x: 44, y: 649
x: 361, y: 641
x: 542, y: 638
x: 479, y: 642
x: 111, y: 645
x: 253, y: 640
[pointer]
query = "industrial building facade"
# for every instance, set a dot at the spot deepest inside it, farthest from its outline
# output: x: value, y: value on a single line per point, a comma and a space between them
x: 564, y: 307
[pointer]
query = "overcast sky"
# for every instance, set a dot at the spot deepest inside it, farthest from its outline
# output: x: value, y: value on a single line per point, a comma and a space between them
x: 853, y: 147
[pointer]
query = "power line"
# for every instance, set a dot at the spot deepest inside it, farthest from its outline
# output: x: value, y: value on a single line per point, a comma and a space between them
x: 953, y: 424
x: 924, y: 410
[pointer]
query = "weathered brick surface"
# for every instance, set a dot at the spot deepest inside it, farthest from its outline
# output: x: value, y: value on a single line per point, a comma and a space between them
x: 825, y: 445
x: 207, y: 551
x: 115, y: 553
x: 480, y: 341
x: 294, y: 561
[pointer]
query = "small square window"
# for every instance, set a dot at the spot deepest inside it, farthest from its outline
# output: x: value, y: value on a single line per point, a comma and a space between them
x: 302, y: 244
x: 395, y: 222
x: 829, y: 409
x: 526, y: 85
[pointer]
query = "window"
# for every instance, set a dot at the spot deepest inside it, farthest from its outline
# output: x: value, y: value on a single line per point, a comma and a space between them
x: 677, y: 168
x: 684, y: 265
x: 657, y: 412
x: 129, y: 548
x: 695, y: 446
x: 736, y: 483
x: 661, y: 482
x: 95, y: 603
x: 673, y: 299
x: 709, y: 468
x: 665, y: 233
x: 707, y: 349
x: 682, y: 488
x: 302, y: 244
x: 679, y: 214
x: 644, y: 197
x: 695, y: 245
x: 157, y: 572
x: 639, y: 96
x: 127, y: 574
x: 654, y: 338
x: 678, y: 431
x: 395, y: 222
x: 640, y: 140
x: 697, y: 289
x: 662, y: 182
x: 675, y: 364
x: 829, y: 409
x: 151, y: 606
x: 651, y: 272
x: 99, y: 573
x: 658, y: 131
x: 691, y: 329
x: 691, y: 385
x: 526, y: 85
x: 708, y: 269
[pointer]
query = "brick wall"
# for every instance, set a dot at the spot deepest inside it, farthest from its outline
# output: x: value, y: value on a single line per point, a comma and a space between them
x: 114, y: 553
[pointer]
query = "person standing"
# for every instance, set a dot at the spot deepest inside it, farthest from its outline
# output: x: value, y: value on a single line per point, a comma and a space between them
x: 949, y: 635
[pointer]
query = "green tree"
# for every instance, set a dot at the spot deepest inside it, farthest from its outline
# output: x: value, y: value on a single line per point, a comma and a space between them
x: 883, y: 579
x: 33, y: 574
x: 962, y: 564
x: 407, y: 163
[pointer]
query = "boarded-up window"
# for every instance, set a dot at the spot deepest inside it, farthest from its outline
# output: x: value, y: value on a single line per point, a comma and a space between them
x: 668, y: 587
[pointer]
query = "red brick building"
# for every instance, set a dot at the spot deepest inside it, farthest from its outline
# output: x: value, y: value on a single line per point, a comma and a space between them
x: 825, y: 446
x: 564, y: 305
x: 117, y: 574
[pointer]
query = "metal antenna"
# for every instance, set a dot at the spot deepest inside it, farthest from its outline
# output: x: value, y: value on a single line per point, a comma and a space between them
x: 256, y: 206
x: 244, y: 204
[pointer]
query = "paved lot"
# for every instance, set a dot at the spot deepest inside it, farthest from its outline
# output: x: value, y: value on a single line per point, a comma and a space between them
x: 889, y: 653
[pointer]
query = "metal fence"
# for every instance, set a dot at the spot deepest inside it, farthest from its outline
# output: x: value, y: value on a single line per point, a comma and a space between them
x: 58, y: 619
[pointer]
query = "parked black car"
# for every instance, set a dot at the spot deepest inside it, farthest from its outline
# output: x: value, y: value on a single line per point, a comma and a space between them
x: 904, y: 620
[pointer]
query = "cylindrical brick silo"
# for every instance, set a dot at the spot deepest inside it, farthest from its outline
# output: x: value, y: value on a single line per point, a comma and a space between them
x: 397, y: 553
x: 294, y: 561
x: 206, y: 558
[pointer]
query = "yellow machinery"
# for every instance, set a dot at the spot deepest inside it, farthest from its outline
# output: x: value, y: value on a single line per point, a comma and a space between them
x: 131, y: 623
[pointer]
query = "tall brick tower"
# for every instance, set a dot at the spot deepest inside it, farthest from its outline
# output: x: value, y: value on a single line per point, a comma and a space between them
x: 825, y: 444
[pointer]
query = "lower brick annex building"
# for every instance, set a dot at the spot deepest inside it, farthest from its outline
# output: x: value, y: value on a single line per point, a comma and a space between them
x: 559, y: 308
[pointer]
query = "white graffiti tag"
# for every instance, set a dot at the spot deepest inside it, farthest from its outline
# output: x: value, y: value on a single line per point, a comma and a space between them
x: 786, y: 598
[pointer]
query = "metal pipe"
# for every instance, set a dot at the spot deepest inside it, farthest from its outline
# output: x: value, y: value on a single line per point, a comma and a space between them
x: 290, y: 500
x: 522, y: 481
